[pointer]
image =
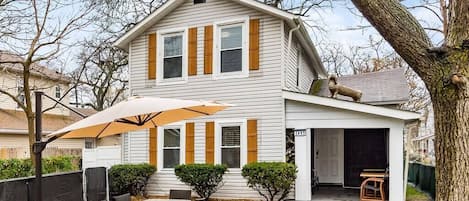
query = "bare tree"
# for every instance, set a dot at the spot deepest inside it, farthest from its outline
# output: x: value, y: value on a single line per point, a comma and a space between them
x: 444, y: 71
x: 39, y: 38
x: 104, y: 77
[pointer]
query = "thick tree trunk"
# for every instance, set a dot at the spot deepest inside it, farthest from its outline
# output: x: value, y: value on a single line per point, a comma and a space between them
x: 451, y: 147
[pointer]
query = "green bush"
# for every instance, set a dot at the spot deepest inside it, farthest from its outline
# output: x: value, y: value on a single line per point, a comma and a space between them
x: 204, y: 179
x: 130, y: 178
x: 270, y: 178
x: 15, y: 168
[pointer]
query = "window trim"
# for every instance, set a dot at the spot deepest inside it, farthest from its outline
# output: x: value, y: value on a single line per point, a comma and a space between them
x: 242, y: 123
x: 160, y: 80
x: 58, y: 91
x: 217, y: 74
x: 182, y: 145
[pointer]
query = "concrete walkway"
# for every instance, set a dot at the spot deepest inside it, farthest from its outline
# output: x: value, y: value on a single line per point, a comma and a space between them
x: 336, y: 194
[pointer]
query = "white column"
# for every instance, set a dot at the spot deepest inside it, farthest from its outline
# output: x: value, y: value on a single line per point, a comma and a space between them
x: 303, y: 162
x: 396, y: 162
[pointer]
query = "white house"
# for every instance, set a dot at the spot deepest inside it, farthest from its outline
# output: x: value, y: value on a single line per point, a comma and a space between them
x: 262, y: 60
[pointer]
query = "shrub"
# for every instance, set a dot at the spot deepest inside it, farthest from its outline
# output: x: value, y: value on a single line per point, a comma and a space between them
x: 270, y: 178
x: 14, y: 168
x: 130, y: 178
x: 204, y: 179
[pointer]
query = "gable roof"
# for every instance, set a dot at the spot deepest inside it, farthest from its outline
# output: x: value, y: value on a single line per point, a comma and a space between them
x: 352, y: 106
x: 292, y: 20
x: 36, y: 69
x: 378, y: 88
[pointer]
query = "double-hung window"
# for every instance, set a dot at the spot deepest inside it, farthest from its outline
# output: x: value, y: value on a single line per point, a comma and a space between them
x: 172, y: 65
x: 231, y: 139
x: 231, y: 50
x: 171, y: 146
x: 231, y: 146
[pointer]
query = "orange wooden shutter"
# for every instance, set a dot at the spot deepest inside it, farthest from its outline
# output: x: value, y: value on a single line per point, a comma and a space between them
x: 208, y: 50
x: 209, y: 142
x: 153, y: 148
x: 193, y: 51
x: 252, y: 140
x: 254, y: 44
x: 189, y: 143
x: 152, y: 56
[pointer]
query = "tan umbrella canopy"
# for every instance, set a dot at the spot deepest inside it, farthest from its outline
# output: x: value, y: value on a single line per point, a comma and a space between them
x: 137, y: 113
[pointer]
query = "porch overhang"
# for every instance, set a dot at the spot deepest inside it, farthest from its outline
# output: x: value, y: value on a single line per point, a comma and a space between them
x: 351, y: 106
x: 303, y: 111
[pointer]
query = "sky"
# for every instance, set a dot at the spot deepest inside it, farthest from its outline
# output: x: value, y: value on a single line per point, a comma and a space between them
x: 335, y: 23
x: 339, y: 20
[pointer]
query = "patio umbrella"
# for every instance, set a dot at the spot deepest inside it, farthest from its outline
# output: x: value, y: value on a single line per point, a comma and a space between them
x: 137, y: 113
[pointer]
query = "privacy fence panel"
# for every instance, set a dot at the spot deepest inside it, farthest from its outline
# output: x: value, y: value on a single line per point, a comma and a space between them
x: 96, y: 184
x: 56, y: 187
x: 423, y: 176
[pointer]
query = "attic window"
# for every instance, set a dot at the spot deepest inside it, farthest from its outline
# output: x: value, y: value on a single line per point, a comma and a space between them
x: 199, y: 1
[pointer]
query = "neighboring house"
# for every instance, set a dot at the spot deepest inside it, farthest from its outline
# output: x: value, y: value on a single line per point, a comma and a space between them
x: 13, y: 123
x: 262, y: 60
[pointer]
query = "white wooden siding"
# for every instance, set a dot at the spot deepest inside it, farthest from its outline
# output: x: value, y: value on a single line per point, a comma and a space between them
x: 290, y: 55
x: 21, y: 140
x: 257, y: 96
x: 9, y: 82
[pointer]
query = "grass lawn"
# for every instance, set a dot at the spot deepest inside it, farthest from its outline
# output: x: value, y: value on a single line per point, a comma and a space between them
x: 413, y: 194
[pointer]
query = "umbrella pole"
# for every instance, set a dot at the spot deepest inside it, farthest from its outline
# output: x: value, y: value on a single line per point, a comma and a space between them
x: 38, y: 147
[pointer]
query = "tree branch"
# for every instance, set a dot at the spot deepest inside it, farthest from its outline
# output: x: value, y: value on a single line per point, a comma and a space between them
x: 14, y: 98
x: 401, y: 30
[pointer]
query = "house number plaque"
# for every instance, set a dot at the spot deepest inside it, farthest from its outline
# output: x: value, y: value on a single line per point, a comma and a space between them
x: 300, y: 132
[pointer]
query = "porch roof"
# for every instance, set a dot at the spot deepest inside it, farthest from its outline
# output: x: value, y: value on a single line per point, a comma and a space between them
x: 352, y: 106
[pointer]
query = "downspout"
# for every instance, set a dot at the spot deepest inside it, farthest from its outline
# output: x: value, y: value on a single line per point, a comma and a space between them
x: 290, y: 35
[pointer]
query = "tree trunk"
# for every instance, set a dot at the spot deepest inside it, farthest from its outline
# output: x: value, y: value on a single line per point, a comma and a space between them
x: 451, y: 147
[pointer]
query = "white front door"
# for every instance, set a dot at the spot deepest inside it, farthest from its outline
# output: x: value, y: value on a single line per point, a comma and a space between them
x: 329, y: 156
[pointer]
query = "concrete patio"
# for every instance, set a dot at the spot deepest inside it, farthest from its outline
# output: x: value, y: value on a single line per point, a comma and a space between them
x: 327, y: 193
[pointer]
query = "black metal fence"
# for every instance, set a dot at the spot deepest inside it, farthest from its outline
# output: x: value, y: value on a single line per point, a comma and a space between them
x: 423, y: 176
x: 56, y: 187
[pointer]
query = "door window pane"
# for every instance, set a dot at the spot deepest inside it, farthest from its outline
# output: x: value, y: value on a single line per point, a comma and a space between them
x: 230, y: 157
x: 171, y: 137
x: 230, y: 146
x: 172, y: 65
x: 230, y: 136
x: 170, y: 158
x: 171, y: 147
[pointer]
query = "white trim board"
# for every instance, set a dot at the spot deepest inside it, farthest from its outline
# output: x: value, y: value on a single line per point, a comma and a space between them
x: 352, y: 106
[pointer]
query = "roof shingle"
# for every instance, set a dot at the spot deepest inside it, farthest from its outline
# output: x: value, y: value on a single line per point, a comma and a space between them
x: 379, y: 88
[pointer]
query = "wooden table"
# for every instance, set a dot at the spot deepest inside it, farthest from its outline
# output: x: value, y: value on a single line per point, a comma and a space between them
x: 373, y: 175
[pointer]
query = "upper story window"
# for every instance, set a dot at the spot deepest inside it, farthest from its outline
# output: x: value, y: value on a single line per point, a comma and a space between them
x: 172, y: 57
x: 231, y: 49
x: 298, y: 64
x: 20, y: 91
x: 172, y: 146
x: 231, y: 140
x: 57, y: 92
